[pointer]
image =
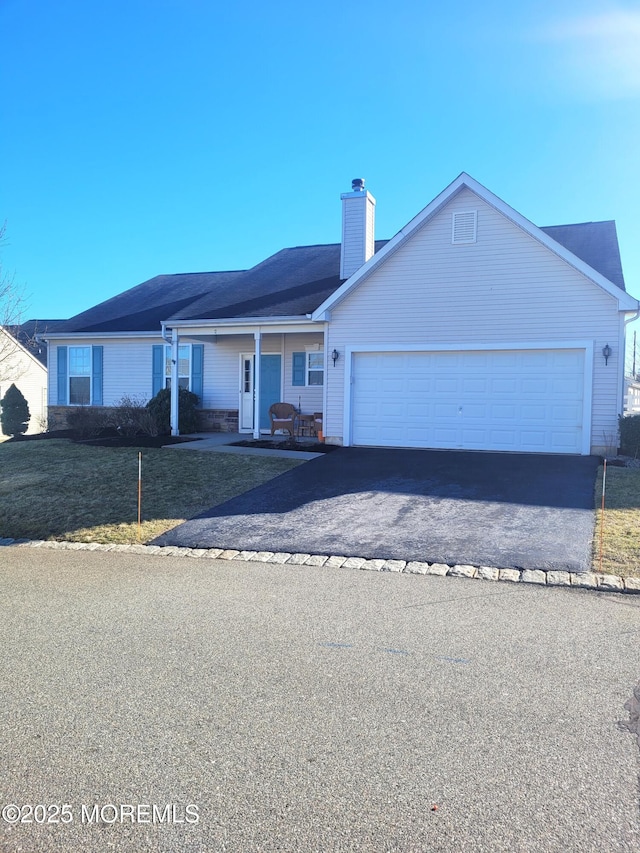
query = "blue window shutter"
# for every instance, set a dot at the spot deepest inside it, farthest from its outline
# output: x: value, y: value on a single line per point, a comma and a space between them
x: 299, y: 368
x: 96, y: 376
x: 62, y: 376
x: 197, y: 360
x: 157, y: 360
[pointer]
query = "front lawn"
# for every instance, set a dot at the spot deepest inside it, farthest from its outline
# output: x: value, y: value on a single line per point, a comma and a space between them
x: 54, y: 489
x: 621, y: 530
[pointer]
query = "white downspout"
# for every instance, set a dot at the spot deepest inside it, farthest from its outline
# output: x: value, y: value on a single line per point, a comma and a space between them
x: 625, y: 323
x: 175, y: 388
x: 256, y: 384
x: 325, y: 390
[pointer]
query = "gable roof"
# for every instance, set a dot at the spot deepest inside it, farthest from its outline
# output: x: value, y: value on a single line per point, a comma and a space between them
x: 593, y: 240
x: 305, y: 280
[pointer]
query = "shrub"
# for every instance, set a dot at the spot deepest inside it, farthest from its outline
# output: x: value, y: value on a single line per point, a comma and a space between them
x: 131, y: 416
x: 87, y: 421
x: 629, y: 435
x: 14, y: 415
x: 160, y: 408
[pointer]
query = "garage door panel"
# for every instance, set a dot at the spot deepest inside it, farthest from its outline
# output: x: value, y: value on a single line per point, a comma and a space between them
x: 569, y: 415
x: 419, y: 384
x: 446, y: 385
x: 495, y: 400
x: 504, y: 413
x: 568, y: 387
x: 472, y: 411
x: 418, y: 410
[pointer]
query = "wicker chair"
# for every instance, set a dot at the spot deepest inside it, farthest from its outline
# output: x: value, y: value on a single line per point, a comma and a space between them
x: 317, y: 423
x: 283, y: 416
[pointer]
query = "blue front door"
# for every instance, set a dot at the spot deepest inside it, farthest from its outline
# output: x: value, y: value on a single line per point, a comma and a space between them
x: 270, y: 384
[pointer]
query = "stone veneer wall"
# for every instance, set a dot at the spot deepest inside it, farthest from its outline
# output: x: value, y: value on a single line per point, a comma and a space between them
x: 218, y: 420
x: 57, y: 417
x: 209, y: 420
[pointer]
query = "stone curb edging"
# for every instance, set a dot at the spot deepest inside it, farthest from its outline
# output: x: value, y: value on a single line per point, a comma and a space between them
x: 582, y: 580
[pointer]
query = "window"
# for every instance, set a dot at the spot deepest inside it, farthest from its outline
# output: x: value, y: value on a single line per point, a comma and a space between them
x: 308, y: 367
x: 184, y: 366
x: 315, y: 368
x: 79, y: 376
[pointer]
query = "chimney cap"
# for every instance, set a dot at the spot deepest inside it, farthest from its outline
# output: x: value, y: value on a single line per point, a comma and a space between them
x: 357, y: 185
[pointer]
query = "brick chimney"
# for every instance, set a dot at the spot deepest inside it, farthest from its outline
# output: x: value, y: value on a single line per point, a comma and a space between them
x: 358, y: 217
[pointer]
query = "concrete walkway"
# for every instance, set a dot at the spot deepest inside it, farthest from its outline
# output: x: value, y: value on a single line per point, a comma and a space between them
x: 222, y: 442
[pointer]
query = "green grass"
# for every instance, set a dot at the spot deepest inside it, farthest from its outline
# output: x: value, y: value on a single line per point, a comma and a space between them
x: 620, y: 534
x: 54, y: 489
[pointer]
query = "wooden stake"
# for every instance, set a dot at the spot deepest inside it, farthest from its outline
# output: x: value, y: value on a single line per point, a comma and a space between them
x: 139, y: 493
x: 604, y: 485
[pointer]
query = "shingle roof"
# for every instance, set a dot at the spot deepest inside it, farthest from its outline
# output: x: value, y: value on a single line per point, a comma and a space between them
x: 595, y: 243
x: 27, y: 332
x: 292, y: 282
x: 144, y: 307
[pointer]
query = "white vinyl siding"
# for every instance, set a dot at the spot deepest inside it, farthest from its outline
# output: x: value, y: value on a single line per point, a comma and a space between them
x: 128, y: 369
x: 505, y: 287
x: 358, y: 243
x: 222, y: 381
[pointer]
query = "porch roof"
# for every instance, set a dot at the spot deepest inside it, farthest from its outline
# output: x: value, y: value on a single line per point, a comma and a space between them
x: 209, y: 329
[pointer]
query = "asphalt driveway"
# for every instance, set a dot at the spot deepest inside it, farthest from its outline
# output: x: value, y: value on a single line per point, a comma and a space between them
x: 521, y: 511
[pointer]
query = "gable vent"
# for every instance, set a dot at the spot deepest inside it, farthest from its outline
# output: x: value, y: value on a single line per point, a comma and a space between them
x: 464, y: 226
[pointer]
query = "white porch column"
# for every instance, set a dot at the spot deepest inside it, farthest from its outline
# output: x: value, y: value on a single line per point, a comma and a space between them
x: 256, y: 385
x: 175, y: 388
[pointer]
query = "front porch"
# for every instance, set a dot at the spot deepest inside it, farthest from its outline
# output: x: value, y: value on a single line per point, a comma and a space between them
x: 244, y: 368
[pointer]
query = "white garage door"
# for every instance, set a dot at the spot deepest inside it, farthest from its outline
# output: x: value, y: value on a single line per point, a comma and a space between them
x: 521, y: 400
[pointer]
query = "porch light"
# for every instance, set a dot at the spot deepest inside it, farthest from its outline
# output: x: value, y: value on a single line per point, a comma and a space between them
x: 606, y: 352
x: 335, y: 355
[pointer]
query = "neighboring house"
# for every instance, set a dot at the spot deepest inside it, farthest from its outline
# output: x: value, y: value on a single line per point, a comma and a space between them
x: 23, y: 362
x: 631, y: 396
x: 472, y: 328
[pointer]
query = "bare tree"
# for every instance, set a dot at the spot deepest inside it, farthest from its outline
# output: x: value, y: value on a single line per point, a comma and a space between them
x: 12, y: 306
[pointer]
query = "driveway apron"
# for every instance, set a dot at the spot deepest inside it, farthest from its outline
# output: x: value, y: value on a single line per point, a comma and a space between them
x: 524, y: 511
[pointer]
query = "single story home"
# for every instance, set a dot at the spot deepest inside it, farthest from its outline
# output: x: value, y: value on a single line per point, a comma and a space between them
x: 471, y: 328
x: 23, y: 363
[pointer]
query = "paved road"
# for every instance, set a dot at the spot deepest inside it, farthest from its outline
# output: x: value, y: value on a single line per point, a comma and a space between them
x: 508, y: 510
x: 307, y: 709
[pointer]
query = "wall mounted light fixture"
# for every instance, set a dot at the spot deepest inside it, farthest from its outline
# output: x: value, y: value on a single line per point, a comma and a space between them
x: 335, y: 355
x: 606, y: 352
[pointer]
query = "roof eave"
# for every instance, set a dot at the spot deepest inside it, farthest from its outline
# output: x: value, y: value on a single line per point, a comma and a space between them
x: 58, y: 336
x: 239, y: 321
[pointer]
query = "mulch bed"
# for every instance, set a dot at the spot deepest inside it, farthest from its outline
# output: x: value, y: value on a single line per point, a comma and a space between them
x: 108, y: 440
x: 300, y: 446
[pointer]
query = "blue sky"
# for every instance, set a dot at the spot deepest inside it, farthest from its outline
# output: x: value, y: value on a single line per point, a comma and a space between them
x: 161, y: 136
